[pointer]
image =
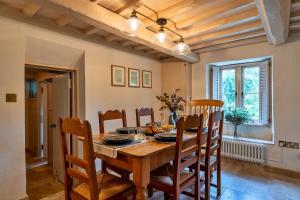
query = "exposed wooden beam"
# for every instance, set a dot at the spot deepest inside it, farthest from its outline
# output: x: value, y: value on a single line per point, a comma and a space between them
x: 295, y: 19
x: 90, y: 31
x: 64, y: 20
x: 226, y: 33
x: 239, y: 37
x: 275, y: 16
x: 138, y: 48
x: 127, y: 43
x: 233, y: 44
x: 166, y: 12
x: 111, y: 37
x: 223, y: 11
x: 127, y: 5
x: 102, y: 18
x: 30, y: 9
x: 222, y: 24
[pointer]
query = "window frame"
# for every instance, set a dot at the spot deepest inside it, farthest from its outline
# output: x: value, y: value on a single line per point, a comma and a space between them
x: 239, y: 87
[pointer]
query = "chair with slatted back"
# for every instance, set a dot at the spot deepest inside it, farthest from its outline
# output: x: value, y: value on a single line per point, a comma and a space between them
x: 143, y: 112
x: 91, y: 186
x: 212, y: 158
x: 176, y: 182
x: 108, y: 116
x: 205, y: 107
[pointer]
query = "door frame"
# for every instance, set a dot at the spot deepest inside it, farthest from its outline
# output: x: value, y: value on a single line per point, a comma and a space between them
x: 74, y: 98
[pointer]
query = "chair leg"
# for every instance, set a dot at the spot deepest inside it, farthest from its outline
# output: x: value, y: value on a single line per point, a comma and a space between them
x: 207, y: 184
x: 150, y: 192
x: 219, y: 186
x: 197, y: 187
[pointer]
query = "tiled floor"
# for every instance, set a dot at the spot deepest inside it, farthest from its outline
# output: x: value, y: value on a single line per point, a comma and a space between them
x: 243, y: 181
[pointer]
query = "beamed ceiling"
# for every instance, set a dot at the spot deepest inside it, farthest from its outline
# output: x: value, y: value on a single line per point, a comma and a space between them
x: 206, y: 25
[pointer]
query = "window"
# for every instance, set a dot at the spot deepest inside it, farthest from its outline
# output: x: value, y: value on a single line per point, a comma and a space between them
x: 246, y: 86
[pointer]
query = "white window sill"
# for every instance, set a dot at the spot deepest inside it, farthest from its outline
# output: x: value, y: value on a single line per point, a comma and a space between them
x: 249, y: 139
x: 256, y: 125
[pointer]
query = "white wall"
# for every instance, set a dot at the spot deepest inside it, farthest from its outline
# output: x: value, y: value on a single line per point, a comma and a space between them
x: 17, y: 37
x: 286, y: 93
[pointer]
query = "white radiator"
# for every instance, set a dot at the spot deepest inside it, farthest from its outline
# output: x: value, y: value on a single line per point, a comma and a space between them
x: 243, y: 150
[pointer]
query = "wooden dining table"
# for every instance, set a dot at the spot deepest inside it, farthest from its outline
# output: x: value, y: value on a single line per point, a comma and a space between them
x: 142, y: 158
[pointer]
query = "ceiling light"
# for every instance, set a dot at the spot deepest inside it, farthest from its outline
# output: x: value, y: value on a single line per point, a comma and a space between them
x: 181, y: 48
x: 161, y: 37
x: 132, y: 25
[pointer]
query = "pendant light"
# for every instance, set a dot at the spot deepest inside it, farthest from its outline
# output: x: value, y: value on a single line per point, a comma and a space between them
x: 132, y: 25
x: 181, y: 48
x: 161, y: 37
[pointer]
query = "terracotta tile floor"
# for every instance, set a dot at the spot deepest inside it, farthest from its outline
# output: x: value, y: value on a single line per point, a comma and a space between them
x: 241, y: 181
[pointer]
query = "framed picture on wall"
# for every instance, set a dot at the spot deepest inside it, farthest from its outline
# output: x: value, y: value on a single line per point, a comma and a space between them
x: 118, y: 76
x: 133, y: 77
x: 146, y: 79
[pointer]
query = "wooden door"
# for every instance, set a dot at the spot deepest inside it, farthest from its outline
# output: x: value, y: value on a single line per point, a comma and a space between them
x: 61, y: 99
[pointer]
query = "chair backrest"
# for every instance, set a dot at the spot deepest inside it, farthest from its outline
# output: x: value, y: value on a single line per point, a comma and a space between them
x: 214, y: 135
x: 73, y: 163
x: 143, y: 112
x: 111, y: 115
x: 186, y: 156
x: 205, y: 107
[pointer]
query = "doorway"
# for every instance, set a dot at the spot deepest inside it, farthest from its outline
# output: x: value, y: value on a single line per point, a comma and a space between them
x: 48, y: 96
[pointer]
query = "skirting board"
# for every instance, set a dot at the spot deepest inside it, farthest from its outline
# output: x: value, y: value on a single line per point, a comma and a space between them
x: 25, y: 198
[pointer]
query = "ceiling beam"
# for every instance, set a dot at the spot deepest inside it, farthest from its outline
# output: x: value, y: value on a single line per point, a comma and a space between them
x: 138, y: 48
x: 233, y: 44
x: 91, y: 30
x: 111, y: 37
x: 30, y: 9
x: 211, y: 15
x: 104, y: 19
x: 221, y: 27
x: 178, y: 7
x: 275, y: 16
x: 126, y: 6
x: 230, y: 39
x: 127, y: 43
x: 226, y: 33
x: 64, y: 20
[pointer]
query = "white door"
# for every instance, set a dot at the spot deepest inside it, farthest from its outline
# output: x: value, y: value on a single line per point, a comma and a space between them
x: 61, y: 108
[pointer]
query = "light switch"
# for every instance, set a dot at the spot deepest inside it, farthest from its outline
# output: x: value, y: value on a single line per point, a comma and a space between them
x: 11, y: 97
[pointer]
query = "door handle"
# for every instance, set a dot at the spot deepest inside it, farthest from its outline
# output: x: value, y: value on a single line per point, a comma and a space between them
x: 52, y: 125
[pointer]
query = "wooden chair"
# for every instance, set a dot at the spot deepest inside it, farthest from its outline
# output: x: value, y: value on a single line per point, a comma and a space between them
x: 107, y: 116
x: 111, y: 115
x: 180, y: 179
x: 143, y: 112
x: 212, y: 158
x: 92, y: 186
x: 205, y: 107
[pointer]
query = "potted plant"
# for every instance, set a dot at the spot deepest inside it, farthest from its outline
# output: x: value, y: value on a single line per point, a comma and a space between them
x: 237, y: 117
x: 173, y: 103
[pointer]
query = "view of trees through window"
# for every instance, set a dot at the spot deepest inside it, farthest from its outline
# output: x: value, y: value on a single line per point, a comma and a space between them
x: 248, y: 85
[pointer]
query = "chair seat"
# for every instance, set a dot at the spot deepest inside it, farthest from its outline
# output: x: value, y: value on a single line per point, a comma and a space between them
x: 213, y: 160
x: 164, y: 175
x: 109, y: 184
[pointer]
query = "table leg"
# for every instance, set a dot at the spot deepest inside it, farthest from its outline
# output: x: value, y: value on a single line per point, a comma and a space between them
x: 141, y: 176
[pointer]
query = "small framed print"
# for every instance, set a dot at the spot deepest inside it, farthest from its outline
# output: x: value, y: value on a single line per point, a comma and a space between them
x: 118, y: 76
x: 146, y: 79
x: 133, y: 77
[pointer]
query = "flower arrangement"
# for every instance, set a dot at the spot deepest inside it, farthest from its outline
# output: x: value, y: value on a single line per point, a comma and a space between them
x: 173, y: 103
x: 237, y: 117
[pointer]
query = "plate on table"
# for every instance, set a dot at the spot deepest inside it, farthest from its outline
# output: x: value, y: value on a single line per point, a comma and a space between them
x: 117, y: 139
x: 167, y: 137
x: 126, y: 130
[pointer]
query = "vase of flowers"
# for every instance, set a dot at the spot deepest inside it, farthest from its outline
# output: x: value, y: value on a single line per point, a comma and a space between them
x: 173, y: 103
x: 237, y: 117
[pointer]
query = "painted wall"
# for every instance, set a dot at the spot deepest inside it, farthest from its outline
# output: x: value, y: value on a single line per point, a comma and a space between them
x: 286, y: 93
x: 21, y: 43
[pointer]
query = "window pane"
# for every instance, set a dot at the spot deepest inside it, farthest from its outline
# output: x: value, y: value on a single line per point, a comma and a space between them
x: 251, y: 92
x: 228, y: 88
